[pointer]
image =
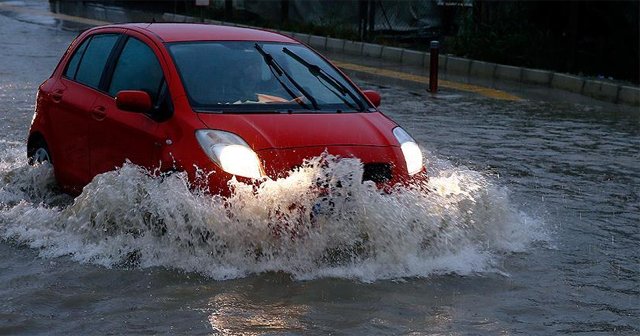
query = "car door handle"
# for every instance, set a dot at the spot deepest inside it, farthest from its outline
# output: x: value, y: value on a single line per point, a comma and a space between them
x: 99, y: 113
x: 56, y: 96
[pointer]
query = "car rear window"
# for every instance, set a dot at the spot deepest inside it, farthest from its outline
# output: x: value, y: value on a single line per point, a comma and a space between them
x: 72, y: 67
x: 93, y: 59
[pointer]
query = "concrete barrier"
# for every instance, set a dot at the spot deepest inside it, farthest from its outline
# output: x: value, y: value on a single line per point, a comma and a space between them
x: 391, y: 54
x: 214, y: 22
x: 181, y: 18
x: 629, y: 95
x: 353, y: 47
x: 334, y: 44
x: 567, y: 82
x: 168, y: 17
x: 508, y: 72
x: 535, y: 76
x: 601, y: 90
x: 304, y: 38
x: 412, y: 57
x: 457, y: 65
x: 371, y: 50
x: 318, y: 42
x: 482, y: 69
x: 442, y: 61
x: 108, y: 13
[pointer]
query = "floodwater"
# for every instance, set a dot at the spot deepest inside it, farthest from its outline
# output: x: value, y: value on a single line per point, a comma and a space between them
x: 531, y: 227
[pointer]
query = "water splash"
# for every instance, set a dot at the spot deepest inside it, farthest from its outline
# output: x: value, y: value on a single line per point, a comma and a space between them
x: 317, y: 222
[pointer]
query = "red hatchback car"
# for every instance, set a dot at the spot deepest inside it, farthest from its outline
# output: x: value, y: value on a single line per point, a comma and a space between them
x: 201, y: 98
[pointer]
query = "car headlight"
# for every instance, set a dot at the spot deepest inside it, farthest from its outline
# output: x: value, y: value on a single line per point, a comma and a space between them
x: 410, y: 150
x: 230, y: 152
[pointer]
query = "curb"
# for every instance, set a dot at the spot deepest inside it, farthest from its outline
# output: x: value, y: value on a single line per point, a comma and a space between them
x: 603, y: 90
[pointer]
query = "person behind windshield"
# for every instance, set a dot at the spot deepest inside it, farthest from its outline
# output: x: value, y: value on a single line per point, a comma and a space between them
x: 256, y: 83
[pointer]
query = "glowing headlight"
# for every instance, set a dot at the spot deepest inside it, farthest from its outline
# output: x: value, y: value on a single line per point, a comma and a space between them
x: 410, y: 150
x: 230, y: 152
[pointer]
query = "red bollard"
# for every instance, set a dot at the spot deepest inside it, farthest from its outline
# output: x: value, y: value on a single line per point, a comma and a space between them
x: 433, y: 67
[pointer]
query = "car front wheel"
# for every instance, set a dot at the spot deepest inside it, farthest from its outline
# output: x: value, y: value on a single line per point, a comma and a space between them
x: 39, y: 153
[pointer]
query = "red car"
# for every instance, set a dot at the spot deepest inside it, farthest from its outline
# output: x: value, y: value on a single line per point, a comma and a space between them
x: 201, y: 98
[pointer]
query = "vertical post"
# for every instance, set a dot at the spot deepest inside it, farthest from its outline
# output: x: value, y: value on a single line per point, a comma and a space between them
x: 433, y: 67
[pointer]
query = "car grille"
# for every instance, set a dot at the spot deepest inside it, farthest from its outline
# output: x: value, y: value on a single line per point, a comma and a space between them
x: 377, y: 172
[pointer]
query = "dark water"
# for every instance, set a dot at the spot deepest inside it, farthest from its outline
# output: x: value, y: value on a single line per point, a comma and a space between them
x: 532, y: 228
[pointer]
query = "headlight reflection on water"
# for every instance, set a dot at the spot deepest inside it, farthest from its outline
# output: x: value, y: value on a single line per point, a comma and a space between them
x: 234, y: 314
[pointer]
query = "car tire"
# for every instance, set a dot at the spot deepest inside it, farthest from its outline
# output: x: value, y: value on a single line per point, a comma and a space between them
x: 39, y: 153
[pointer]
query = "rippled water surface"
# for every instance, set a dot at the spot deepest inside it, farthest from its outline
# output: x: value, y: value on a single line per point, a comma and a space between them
x: 531, y: 226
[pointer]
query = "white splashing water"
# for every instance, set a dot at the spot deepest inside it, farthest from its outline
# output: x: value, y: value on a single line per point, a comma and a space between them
x: 128, y: 218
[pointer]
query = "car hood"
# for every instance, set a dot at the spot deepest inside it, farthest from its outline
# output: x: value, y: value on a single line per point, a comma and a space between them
x: 279, y: 131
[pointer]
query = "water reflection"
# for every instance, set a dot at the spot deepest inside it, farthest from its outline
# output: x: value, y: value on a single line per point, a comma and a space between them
x: 236, y: 314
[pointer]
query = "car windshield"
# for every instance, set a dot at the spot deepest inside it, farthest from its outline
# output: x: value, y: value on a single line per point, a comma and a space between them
x: 239, y: 77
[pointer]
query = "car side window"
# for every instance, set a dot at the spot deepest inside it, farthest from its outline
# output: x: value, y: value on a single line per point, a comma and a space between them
x: 72, y: 66
x: 137, y: 69
x: 94, y: 58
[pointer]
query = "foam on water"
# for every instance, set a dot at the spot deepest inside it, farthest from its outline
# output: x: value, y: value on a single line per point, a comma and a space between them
x: 128, y: 218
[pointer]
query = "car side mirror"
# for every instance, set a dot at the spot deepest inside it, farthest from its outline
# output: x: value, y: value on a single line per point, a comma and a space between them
x: 373, y: 96
x: 134, y: 101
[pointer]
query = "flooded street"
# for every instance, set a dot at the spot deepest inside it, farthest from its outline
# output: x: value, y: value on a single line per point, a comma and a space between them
x: 532, y: 226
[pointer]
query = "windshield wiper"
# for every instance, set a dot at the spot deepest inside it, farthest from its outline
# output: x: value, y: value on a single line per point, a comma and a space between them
x: 321, y: 74
x: 279, y: 71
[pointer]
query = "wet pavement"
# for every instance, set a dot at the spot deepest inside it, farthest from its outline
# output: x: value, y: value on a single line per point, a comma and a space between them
x: 534, y: 226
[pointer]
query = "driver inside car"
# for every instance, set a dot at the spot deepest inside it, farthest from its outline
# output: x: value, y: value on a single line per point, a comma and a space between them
x: 256, y: 83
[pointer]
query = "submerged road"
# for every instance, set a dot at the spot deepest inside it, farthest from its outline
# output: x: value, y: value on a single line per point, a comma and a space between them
x: 532, y: 226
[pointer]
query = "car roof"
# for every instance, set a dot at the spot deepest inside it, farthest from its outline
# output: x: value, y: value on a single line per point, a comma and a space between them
x: 184, y: 32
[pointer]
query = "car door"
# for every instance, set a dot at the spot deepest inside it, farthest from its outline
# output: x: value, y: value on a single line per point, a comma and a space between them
x: 72, y: 97
x: 117, y: 135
